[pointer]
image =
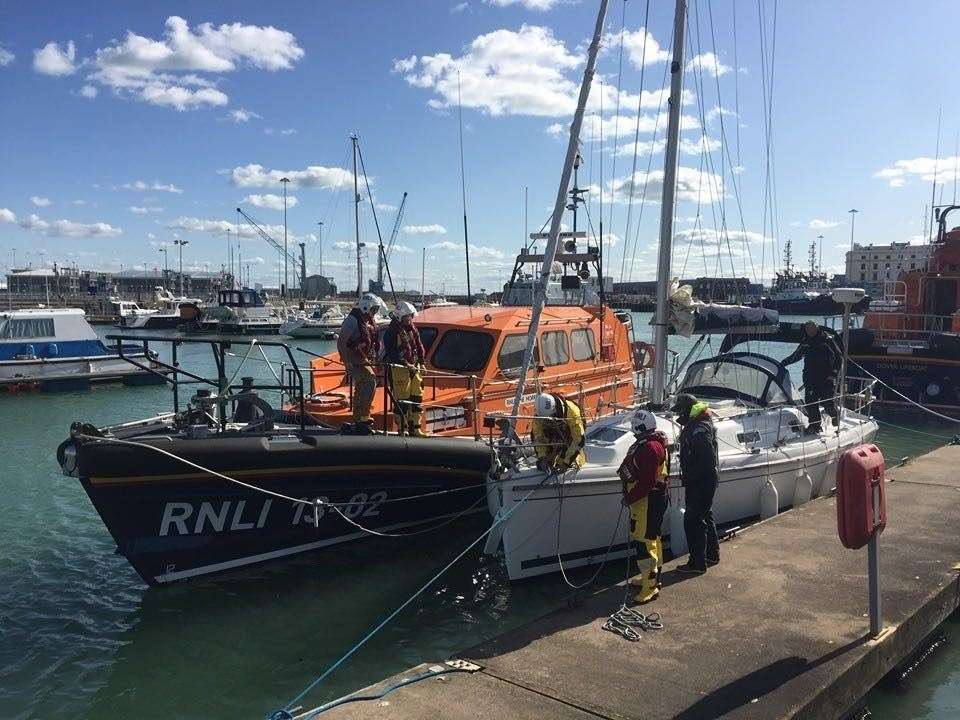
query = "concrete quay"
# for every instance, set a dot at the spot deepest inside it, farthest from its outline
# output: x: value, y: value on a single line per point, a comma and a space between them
x: 777, y: 630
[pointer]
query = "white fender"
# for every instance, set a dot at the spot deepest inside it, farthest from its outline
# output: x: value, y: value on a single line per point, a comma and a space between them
x: 678, y: 538
x: 802, y: 488
x: 769, y: 500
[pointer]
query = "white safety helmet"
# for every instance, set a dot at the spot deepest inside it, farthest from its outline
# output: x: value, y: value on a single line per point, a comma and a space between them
x: 545, y: 405
x: 644, y: 422
x: 369, y: 303
x: 404, y: 309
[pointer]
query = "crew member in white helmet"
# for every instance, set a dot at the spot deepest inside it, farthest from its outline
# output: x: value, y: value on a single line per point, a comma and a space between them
x: 643, y: 473
x: 359, y: 348
x: 557, y: 433
x: 404, y: 352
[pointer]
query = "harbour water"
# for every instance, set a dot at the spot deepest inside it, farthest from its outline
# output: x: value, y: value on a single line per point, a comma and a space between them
x: 82, y: 637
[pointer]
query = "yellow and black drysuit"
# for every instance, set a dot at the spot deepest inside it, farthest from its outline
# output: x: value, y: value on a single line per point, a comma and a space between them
x: 559, y: 440
x: 644, y: 476
x: 404, y: 352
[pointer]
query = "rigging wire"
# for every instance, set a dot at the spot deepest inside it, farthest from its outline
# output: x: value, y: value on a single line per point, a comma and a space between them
x: 616, y: 126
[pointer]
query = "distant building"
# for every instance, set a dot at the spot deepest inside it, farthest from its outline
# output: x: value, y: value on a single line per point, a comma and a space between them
x: 716, y: 290
x: 130, y: 284
x: 870, y: 266
x: 319, y: 286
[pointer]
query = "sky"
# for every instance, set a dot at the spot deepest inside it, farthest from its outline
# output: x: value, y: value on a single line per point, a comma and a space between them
x: 127, y: 126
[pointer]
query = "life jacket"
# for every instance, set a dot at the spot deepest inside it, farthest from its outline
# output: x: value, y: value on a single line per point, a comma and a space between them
x: 409, y: 347
x: 635, y: 474
x: 365, y: 343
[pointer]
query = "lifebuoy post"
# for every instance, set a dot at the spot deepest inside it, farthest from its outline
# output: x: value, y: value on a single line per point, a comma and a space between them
x: 862, y: 513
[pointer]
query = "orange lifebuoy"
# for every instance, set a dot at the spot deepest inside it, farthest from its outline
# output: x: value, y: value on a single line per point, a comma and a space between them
x: 644, y: 355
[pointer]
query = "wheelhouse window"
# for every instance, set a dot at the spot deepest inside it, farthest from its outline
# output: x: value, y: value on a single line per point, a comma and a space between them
x: 582, y: 344
x: 510, y: 357
x: 427, y: 336
x: 463, y: 351
x: 553, y: 348
x: 26, y: 328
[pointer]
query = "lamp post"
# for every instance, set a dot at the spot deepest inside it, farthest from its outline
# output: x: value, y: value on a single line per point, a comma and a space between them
x: 820, y: 254
x: 180, y: 243
x: 286, y: 280
x: 166, y: 270
x: 321, y: 247
x: 853, y: 218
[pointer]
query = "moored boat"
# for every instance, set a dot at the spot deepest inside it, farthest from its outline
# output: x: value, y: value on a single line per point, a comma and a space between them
x: 322, y: 323
x: 171, y: 312
x: 911, y: 341
x: 57, y: 348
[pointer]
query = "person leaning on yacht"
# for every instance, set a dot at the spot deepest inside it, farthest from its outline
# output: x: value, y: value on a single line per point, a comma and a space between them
x: 557, y: 433
x: 700, y: 474
x: 359, y: 347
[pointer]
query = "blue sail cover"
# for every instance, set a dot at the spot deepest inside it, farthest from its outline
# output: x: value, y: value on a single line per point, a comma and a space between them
x: 704, y: 318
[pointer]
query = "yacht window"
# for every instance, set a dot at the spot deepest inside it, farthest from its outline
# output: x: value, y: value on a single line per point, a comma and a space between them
x: 607, y: 434
x: 553, y: 347
x: 726, y: 379
x: 510, y: 357
x: 582, y: 344
x: 463, y: 350
x: 22, y: 328
x: 427, y: 336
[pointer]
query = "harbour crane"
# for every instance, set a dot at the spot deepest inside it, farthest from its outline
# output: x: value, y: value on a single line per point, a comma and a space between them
x: 276, y: 245
x: 383, y: 256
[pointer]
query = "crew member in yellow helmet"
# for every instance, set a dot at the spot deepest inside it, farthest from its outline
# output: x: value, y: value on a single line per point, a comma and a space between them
x: 644, y: 476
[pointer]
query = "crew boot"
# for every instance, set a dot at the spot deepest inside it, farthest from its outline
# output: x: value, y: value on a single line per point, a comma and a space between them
x: 413, y: 424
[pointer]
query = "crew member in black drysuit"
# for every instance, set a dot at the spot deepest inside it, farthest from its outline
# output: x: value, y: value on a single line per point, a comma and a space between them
x: 699, y: 473
x: 821, y: 365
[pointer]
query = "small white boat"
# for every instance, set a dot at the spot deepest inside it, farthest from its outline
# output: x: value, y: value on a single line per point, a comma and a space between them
x: 322, y: 323
x: 172, y: 312
x: 431, y: 301
x: 767, y: 464
x: 128, y: 311
x: 49, y: 348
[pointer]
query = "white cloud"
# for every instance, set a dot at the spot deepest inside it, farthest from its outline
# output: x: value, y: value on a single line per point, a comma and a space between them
x: 164, y: 72
x: 817, y: 224
x: 143, y: 210
x: 88, y: 91
x: 6, y: 57
x: 273, y: 131
x: 710, y: 241
x: 483, y: 251
x: 692, y: 185
x: 503, y: 72
x: 423, y: 230
x: 444, y: 245
x: 314, y: 176
x: 52, y: 60
x: 242, y: 115
x: 39, y: 201
x: 273, y: 202
x: 459, y: 7
x: 538, y: 5
x: 708, y: 63
x: 69, y: 228
x: 7, y: 216
x: 715, y: 112
x: 156, y: 185
x: 219, y: 228
x: 924, y: 168
x: 633, y: 47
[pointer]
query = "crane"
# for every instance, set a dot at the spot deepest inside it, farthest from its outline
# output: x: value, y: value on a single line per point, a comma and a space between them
x: 273, y: 243
x: 384, y: 255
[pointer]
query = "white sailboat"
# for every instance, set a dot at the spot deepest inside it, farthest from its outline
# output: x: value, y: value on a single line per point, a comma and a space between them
x: 768, y: 460
x: 322, y: 323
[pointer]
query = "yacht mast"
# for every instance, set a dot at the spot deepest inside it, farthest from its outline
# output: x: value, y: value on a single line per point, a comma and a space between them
x: 356, y: 216
x: 667, y: 205
x: 540, y: 285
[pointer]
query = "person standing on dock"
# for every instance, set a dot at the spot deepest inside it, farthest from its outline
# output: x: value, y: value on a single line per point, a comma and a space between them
x: 404, y: 353
x: 699, y: 471
x: 644, y: 476
x: 359, y: 347
x: 821, y: 365
x: 557, y: 433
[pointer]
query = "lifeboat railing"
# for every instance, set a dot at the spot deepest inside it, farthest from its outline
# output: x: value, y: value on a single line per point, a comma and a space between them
x: 910, y: 327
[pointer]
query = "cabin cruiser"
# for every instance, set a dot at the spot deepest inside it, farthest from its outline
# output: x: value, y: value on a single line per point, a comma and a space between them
x: 48, y: 348
x: 323, y: 323
x: 430, y: 301
x: 243, y: 312
x: 127, y: 311
x: 171, y: 312
x: 911, y: 340
x: 216, y: 483
x: 768, y: 463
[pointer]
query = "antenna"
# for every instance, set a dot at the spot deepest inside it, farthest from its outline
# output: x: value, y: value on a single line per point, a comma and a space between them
x: 936, y: 168
x: 463, y: 192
